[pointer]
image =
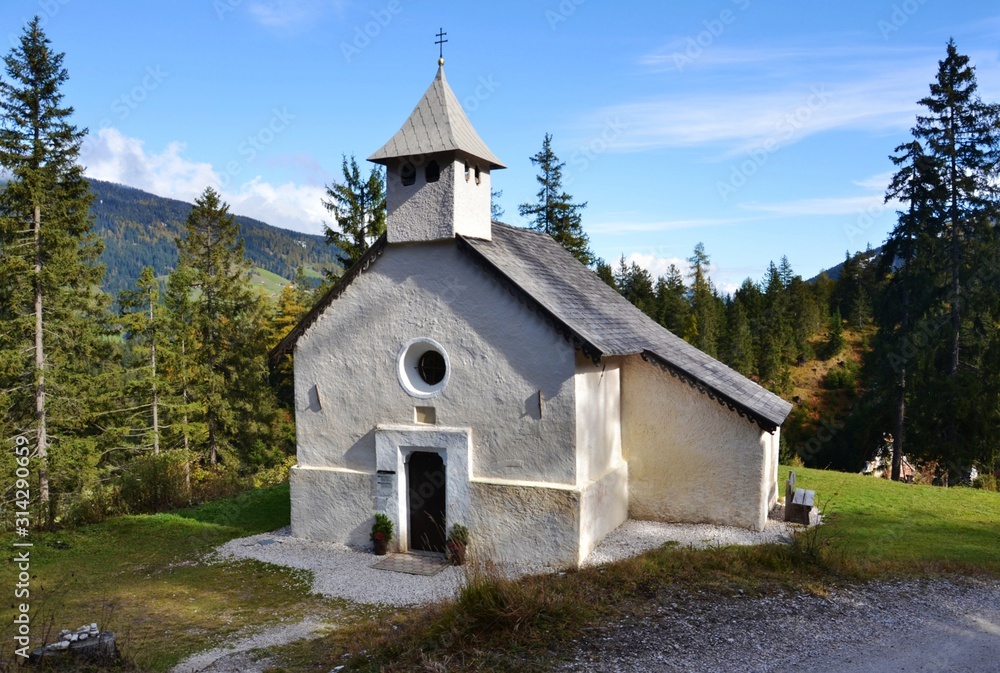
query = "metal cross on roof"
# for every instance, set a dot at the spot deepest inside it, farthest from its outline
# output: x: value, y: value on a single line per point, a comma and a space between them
x: 440, y: 43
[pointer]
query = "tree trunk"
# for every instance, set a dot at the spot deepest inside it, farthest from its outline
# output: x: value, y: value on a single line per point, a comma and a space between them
x: 152, y: 364
x: 956, y: 287
x: 40, y: 419
x: 897, y: 443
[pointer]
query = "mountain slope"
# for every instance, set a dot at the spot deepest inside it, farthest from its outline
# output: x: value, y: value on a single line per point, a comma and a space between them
x: 140, y: 229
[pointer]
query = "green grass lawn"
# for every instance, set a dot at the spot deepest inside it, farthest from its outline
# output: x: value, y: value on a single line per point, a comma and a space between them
x: 140, y: 576
x: 144, y: 578
x: 882, y: 526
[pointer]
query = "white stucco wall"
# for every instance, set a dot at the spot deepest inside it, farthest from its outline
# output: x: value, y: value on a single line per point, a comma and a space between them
x: 603, y: 507
x: 523, y: 522
x: 598, y: 418
x: 501, y: 356
x: 428, y: 211
x: 691, y: 459
x: 472, y: 201
x: 332, y: 505
x: 422, y: 211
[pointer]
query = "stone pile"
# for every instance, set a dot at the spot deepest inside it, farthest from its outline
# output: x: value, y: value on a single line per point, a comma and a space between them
x: 67, y: 637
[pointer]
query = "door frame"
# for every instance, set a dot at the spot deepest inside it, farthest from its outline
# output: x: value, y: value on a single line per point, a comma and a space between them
x: 393, y: 447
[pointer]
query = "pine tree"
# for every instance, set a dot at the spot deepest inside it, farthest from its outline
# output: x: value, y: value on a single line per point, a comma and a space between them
x: 775, y: 332
x: 53, y: 318
x: 223, y: 315
x: 185, y: 429
x: 555, y: 213
x: 142, y: 318
x: 496, y: 210
x: 960, y: 133
x: 740, y: 352
x: 943, y: 394
x: 702, y: 328
x: 358, y: 205
x: 636, y: 284
x: 671, y: 297
x: 605, y: 273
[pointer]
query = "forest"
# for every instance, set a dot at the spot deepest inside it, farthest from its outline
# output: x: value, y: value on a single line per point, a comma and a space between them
x: 141, y: 388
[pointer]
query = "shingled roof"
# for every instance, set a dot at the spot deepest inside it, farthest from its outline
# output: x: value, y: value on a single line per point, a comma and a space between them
x: 437, y: 124
x: 606, y: 324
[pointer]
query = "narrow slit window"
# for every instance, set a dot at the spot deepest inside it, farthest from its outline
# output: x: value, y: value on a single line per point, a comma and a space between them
x: 432, y: 172
x: 468, y: 173
x: 477, y: 175
x: 408, y: 174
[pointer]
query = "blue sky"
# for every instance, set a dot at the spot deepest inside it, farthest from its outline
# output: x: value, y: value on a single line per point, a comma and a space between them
x: 760, y: 129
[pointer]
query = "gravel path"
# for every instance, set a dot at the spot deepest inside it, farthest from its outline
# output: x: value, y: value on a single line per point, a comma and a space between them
x: 341, y: 572
x: 920, y: 625
x: 928, y: 626
x: 234, y: 657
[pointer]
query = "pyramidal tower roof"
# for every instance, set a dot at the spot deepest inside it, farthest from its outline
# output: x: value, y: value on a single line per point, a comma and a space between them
x: 437, y: 124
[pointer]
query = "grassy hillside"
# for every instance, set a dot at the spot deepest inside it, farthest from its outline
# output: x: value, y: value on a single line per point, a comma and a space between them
x: 140, y: 229
x: 823, y: 393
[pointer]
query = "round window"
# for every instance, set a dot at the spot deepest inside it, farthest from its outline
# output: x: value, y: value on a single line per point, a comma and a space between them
x: 422, y: 367
x: 432, y: 368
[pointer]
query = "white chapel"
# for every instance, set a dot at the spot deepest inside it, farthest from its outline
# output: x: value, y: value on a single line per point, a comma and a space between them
x: 467, y: 371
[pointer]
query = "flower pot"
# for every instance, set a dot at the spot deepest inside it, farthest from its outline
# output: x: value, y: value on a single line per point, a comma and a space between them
x: 381, y: 547
x: 457, y: 553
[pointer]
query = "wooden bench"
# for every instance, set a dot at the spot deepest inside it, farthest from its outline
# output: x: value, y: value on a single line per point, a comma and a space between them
x: 798, y: 503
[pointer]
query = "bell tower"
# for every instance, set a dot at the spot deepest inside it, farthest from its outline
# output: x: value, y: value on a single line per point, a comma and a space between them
x: 437, y: 172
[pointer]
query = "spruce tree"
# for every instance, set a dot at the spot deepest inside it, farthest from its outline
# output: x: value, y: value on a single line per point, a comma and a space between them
x: 937, y: 318
x: 185, y: 428
x: 52, y: 312
x: 554, y: 212
x: 142, y: 317
x: 671, y: 297
x: 224, y: 314
x: 702, y: 328
x: 960, y: 133
x: 358, y: 206
x: 605, y: 273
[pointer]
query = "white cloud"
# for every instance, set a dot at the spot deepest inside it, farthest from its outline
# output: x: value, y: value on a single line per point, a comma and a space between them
x: 115, y: 157
x: 288, y: 14
x: 820, y: 206
x: 772, y: 97
x: 741, y: 122
x: 657, y: 266
x: 872, y: 202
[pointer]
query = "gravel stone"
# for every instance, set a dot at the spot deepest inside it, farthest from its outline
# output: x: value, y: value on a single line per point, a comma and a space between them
x: 342, y: 572
x: 913, y: 625
x: 938, y: 626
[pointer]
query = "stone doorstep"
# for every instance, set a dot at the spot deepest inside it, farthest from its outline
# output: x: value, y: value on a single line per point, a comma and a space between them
x: 413, y: 563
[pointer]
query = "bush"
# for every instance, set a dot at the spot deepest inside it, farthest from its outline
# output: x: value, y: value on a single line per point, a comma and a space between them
x: 987, y: 482
x: 844, y: 376
x: 154, y: 483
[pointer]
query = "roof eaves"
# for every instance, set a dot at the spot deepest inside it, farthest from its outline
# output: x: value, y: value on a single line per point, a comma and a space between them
x: 288, y: 343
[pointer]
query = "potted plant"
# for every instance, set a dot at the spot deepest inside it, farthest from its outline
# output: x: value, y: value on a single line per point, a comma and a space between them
x: 381, y: 533
x: 458, y: 540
